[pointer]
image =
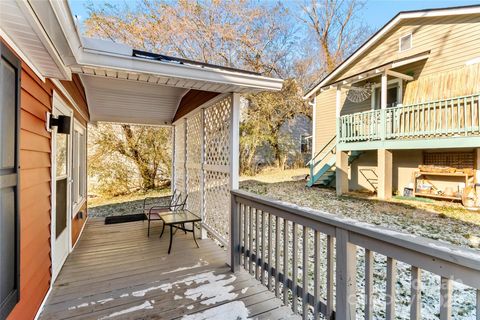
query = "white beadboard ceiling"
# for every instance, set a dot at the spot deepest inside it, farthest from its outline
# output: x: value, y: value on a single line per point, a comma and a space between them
x: 131, y: 101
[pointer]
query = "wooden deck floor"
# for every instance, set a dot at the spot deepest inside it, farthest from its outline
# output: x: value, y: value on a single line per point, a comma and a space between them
x: 116, y: 272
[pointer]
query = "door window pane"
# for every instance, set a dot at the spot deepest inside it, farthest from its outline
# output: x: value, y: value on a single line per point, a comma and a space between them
x: 7, y: 245
x: 61, y: 207
x: 7, y: 117
x: 61, y: 156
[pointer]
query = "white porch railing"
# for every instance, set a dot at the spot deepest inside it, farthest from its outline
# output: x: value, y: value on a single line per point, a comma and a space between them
x: 313, y: 261
x: 447, y: 117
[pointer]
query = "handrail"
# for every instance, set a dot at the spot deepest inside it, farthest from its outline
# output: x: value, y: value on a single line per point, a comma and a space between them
x: 441, y: 117
x: 252, y: 215
x: 325, y: 146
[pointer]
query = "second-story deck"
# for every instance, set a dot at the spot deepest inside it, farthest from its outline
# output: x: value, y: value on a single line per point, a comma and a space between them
x: 116, y: 272
x: 446, y: 123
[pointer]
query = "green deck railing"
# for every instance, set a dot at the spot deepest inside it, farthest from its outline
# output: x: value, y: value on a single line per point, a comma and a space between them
x: 446, y: 117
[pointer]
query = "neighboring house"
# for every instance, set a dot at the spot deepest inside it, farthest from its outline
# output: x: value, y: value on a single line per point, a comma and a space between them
x: 409, y: 96
x: 52, y: 83
x: 296, y: 137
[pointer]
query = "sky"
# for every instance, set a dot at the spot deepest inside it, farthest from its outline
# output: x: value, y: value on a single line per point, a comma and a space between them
x: 376, y: 12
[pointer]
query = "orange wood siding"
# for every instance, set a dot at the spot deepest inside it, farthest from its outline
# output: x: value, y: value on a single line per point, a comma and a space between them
x: 35, y: 187
x: 192, y: 100
x: 35, y: 205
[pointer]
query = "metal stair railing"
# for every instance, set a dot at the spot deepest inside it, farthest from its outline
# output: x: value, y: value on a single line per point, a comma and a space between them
x: 321, y: 155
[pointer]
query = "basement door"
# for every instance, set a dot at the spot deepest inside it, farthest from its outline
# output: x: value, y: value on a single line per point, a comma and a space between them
x: 61, y: 186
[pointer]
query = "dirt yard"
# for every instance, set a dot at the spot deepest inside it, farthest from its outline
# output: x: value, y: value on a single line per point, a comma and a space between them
x: 444, y: 221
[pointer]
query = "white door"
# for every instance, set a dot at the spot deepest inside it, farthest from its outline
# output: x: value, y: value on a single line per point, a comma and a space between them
x: 61, y: 198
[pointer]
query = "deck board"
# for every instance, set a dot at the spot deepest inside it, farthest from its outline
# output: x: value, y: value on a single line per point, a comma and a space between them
x: 116, y: 272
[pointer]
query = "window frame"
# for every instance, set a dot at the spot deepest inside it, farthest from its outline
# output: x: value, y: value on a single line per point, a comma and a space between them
x: 400, y: 42
x: 12, y: 300
x: 81, y: 190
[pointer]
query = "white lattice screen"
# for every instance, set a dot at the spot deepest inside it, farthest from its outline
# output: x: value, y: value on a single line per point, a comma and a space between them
x: 179, y: 161
x: 217, y: 167
x: 208, y: 179
x: 194, y: 163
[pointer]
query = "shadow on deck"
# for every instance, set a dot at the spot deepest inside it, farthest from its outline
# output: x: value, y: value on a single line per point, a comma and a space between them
x: 116, y: 272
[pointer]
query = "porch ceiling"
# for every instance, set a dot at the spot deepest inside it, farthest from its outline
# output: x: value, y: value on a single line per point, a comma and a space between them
x: 126, y: 101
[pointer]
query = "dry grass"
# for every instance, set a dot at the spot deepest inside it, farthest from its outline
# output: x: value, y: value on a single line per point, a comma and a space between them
x: 432, y: 219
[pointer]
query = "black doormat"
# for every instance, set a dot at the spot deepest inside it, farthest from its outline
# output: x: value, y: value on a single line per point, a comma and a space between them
x: 125, y: 218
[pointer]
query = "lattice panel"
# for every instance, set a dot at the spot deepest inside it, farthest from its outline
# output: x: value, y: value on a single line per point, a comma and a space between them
x: 194, y: 158
x: 194, y: 139
x: 217, y: 165
x: 217, y: 203
x: 217, y: 133
x: 179, y: 161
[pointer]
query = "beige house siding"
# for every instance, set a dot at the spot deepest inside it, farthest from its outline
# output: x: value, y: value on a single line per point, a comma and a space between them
x: 325, y: 119
x: 451, y: 40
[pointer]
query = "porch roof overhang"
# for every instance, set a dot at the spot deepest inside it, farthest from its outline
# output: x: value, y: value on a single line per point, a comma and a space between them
x: 379, y: 70
x: 121, y: 84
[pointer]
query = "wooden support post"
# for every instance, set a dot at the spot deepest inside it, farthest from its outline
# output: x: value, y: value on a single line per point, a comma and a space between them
x: 477, y: 153
x: 345, y: 276
x: 341, y: 172
x: 338, y: 109
x: 203, y: 231
x: 383, y: 105
x: 384, y: 168
x: 234, y: 149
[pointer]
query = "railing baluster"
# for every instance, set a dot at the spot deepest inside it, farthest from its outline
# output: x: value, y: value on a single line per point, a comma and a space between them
x: 440, y: 118
x: 269, y: 273
x: 240, y: 232
x: 478, y: 123
x: 472, y: 119
x: 250, y: 241
x: 391, y: 282
x: 329, y: 276
x: 368, y: 284
x: 285, y: 261
x: 478, y: 302
x: 465, y: 125
x: 257, y: 247
x: 277, y: 256
x: 294, y: 267
x: 245, y: 238
x: 262, y: 264
x: 458, y: 116
x: 445, y: 299
x: 317, y: 275
x: 305, y: 274
x: 416, y: 291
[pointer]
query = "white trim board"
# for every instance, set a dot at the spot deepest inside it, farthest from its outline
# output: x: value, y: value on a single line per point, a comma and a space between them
x: 385, y: 29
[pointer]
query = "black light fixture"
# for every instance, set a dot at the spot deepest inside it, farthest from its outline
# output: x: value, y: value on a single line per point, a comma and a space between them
x: 61, y: 122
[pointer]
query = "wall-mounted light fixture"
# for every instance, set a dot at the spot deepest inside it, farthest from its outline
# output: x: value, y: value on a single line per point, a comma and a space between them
x: 61, y: 122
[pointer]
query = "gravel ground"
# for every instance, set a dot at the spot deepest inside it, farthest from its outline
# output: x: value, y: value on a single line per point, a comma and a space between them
x: 123, y: 208
x: 435, y: 220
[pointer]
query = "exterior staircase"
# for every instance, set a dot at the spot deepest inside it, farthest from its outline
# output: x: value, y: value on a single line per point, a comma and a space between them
x: 322, y: 165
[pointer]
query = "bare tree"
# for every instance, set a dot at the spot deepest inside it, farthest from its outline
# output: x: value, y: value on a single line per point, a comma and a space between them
x: 335, y: 29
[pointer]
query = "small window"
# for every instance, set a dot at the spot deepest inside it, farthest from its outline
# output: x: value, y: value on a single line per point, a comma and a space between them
x: 306, y: 144
x: 9, y: 192
x: 405, y: 43
x: 79, y: 166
